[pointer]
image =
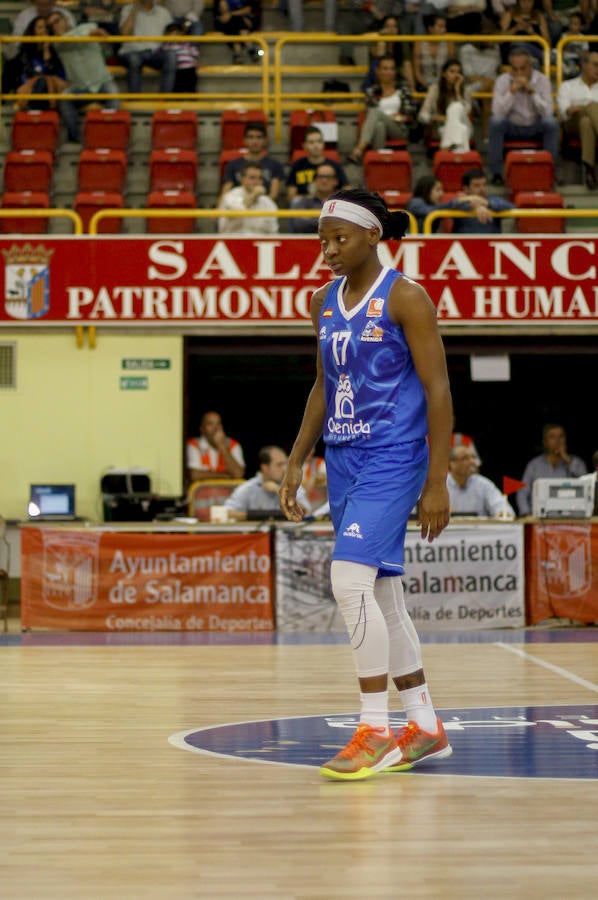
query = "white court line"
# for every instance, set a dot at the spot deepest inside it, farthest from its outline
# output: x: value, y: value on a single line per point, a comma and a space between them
x: 556, y: 669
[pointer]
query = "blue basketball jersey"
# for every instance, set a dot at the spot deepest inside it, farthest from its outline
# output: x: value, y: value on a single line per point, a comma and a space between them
x: 373, y: 393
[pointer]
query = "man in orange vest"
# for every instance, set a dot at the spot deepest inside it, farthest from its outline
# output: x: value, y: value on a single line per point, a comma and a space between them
x: 213, y: 454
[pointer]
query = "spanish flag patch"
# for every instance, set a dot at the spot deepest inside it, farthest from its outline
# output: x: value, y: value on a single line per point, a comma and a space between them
x: 327, y: 314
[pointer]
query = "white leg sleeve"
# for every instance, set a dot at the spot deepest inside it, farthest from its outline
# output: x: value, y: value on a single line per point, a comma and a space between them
x: 405, y: 648
x: 353, y: 589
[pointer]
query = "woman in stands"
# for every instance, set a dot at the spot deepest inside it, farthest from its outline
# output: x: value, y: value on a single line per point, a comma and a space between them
x: 522, y: 20
x: 427, y: 197
x: 238, y: 18
x: 430, y: 56
x: 40, y: 68
x: 446, y: 110
x: 390, y: 109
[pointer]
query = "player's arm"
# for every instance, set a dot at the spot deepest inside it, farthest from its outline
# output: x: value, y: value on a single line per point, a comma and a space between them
x: 412, y: 309
x: 310, y: 429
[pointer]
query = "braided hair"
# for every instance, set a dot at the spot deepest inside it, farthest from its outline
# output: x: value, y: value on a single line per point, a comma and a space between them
x: 394, y: 224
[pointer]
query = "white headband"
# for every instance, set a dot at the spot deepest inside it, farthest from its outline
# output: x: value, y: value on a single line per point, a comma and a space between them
x: 351, y: 212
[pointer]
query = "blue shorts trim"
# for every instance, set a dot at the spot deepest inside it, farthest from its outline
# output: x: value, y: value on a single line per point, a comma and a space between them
x: 372, y: 492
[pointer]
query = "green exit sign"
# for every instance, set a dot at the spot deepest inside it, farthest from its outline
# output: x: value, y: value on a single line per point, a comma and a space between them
x: 146, y: 364
x: 134, y: 383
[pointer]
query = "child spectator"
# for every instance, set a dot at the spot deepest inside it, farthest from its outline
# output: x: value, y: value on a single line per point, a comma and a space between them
x: 572, y: 50
x: 187, y: 58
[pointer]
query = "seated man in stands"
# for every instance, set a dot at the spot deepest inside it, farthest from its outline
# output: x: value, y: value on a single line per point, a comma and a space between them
x: 260, y: 493
x: 250, y: 196
x: 325, y: 184
x: 303, y: 170
x: 475, y: 197
x: 522, y: 109
x: 146, y: 18
x: 255, y: 139
x: 577, y: 102
x: 213, y: 454
x: 84, y: 67
x: 554, y: 462
x: 472, y: 494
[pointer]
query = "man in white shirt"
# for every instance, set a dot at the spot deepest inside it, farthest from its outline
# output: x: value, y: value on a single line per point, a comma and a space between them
x: 145, y: 18
x: 249, y: 197
x: 577, y: 103
x: 473, y: 494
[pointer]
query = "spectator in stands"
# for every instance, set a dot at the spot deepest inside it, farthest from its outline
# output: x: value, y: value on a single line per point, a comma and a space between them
x: 471, y: 493
x: 577, y: 103
x: 521, y: 20
x: 238, y: 18
x: 294, y: 9
x: 325, y: 183
x: 303, y: 170
x: 213, y: 454
x: 146, y: 18
x: 250, y: 196
x: 84, y: 67
x: 522, y: 108
x: 573, y: 50
x: 430, y: 56
x: 255, y: 139
x: 398, y: 50
x: 554, y: 462
x: 446, y: 110
x: 361, y: 16
x: 427, y: 197
x: 40, y: 67
x: 465, y: 16
x: 480, y: 61
x: 104, y: 13
x: 474, y: 185
x: 390, y: 109
x: 187, y: 59
x: 261, y: 493
x: 458, y: 439
x: 11, y: 71
x: 187, y: 14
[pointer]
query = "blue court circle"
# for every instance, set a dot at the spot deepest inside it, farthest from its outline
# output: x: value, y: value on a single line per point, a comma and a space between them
x: 515, y: 741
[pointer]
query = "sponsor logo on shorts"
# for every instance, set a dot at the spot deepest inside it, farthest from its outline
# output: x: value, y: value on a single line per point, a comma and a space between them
x: 353, y: 530
x: 375, y: 307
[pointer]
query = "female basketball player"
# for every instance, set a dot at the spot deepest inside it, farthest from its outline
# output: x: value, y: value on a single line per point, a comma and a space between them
x: 381, y: 386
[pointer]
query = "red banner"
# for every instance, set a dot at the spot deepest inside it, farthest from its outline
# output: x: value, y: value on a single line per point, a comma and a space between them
x: 90, y: 580
x: 562, y: 571
x: 264, y: 281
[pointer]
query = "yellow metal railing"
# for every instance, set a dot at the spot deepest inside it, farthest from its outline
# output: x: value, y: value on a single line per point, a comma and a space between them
x: 542, y: 212
x: 40, y: 213
x: 170, y: 213
x: 279, y: 68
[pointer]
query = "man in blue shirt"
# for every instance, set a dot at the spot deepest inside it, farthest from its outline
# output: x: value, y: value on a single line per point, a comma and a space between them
x: 475, y: 185
x: 261, y: 493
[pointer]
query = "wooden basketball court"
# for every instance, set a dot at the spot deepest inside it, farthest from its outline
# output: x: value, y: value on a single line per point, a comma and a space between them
x: 98, y: 803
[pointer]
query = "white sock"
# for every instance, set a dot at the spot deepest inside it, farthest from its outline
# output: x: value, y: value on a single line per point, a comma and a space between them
x: 419, y: 709
x: 374, y: 709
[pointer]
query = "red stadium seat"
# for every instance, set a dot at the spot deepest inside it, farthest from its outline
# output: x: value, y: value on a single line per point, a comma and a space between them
x: 529, y: 170
x: 102, y: 170
x: 89, y: 202
x: 449, y: 166
x: 176, y: 128
x: 109, y: 128
x: 227, y: 156
x: 541, y: 224
x: 396, y: 199
x: 387, y: 170
x: 28, y: 170
x: 24, y: 200
x: 173, y: 170
x: 529, y: 144
x: 171, y: 200
x: 301, y: 119
x: 232, y: 126
x: 35, y: 130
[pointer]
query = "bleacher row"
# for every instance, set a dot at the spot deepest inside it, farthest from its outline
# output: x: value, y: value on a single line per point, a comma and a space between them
x: 173, y: 164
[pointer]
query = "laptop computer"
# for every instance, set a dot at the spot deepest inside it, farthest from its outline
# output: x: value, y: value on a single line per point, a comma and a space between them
x: 51, y: 503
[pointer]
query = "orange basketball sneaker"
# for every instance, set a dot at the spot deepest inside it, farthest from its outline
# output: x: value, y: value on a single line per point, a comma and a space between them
x: 419, y: 746
x: 369, y: 751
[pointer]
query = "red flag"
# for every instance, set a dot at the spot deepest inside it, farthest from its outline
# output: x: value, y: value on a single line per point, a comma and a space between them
x: 510, y: 485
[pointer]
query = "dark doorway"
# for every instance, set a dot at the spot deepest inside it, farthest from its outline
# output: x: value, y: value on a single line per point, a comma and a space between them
x: 260, y: 385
